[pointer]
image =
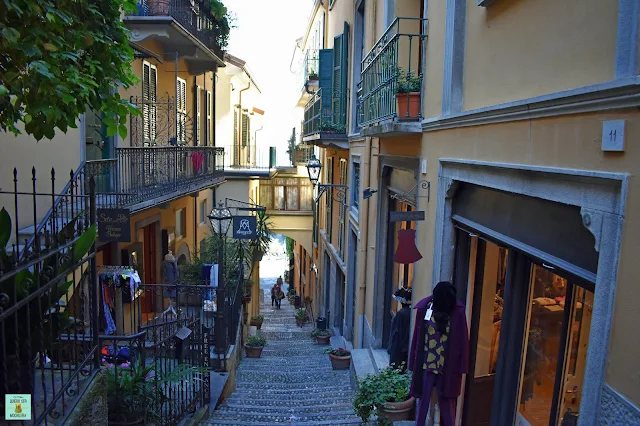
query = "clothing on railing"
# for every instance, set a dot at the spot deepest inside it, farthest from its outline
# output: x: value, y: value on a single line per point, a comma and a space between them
x: 112, y: 277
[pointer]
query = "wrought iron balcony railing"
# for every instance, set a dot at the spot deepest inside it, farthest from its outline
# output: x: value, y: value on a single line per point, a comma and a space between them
x: 309, y: 69
x: 142, y: 174
x: 391, y: 84
x: 320, y: 117
x: 238, y: 156
x: 194, y: 15
x: 303, y: 153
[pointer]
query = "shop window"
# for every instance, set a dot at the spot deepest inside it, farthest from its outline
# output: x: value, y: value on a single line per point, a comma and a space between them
x: 181, y: 225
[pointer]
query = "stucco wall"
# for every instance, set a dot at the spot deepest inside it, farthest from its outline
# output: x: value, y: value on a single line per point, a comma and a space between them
x: 567, y: 142
x: 525, y: 48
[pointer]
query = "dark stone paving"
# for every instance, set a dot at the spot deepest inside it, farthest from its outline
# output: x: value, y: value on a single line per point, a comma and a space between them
x: 293, y: 383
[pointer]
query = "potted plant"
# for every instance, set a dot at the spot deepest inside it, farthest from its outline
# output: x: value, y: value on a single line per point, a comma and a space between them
x: 301, y: 314
x: 254, y: 346
x: 313, y: 75
x: 408, y: 95
x: 262, y: 241
x: 322, y: 336
x: 340, y: 358
x: 41, y: 316
x: 257, y: 321
x: 386, y: 393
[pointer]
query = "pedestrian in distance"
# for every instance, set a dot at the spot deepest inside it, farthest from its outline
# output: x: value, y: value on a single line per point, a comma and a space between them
x: 273, y: 294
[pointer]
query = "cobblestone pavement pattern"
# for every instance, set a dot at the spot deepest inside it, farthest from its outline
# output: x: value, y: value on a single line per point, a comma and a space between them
x: 293, y: 383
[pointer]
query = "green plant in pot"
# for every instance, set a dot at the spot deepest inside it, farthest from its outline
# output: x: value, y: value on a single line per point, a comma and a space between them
x: 408, y: 92
x: 322, y: 336
x: 262, y: 241
x: 386, y: 394
x: 33, y: 331
x: 254, y: 346
x: 340, y: 358
x: 301, y: 315
x: 257, y: 321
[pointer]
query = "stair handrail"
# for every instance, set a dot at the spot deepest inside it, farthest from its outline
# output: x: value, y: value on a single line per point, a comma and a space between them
x: 61, y: 196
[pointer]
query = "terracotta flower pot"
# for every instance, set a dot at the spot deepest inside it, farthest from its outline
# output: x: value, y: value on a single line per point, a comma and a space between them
x: 408, y: 103
x: 340, y: 362
x: 323, y: 340
x: 158, y: 7
x: 397, y: 411
x: 257, y: 324
x: 253, y: 351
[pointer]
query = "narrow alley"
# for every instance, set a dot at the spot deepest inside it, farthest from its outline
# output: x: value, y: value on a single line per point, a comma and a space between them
x: 293, y: 383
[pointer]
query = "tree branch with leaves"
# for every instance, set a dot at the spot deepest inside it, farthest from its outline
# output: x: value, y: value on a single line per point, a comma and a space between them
x: 59, y: 57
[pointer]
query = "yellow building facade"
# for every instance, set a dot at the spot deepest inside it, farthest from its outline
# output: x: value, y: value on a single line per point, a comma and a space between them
x: 501, y: 132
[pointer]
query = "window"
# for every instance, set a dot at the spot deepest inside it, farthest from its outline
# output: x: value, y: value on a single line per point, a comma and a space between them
x: 340, y: 73
x: 341, y: 214
x: 246, y: 128
x: 235, y: 127
x: 293, y: 194
x: 208, y: 138
x: 203, y: 212
x: 149, y: 99
x: 181, y: 225
x: 355, y: 186
x: 198, y: 117
x: 181, y: 106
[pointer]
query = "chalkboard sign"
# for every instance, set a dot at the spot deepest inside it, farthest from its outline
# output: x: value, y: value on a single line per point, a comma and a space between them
x: 114, y: 225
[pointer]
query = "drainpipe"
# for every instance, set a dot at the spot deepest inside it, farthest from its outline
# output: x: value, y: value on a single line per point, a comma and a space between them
x: 255, y: 142
x: 214, y: 81
x: 195, y: 109
x: 240, y: 118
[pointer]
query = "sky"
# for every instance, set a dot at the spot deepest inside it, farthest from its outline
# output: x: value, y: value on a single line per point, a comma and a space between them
x: 264, y: 37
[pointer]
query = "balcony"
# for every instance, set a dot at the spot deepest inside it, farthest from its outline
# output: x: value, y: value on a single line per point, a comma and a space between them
x: 249, y: 160
x: 141, y: 177
x: 308, y: 78
x: 303, y: 153
x: 391, y: 89
x: 323, y: 125
x: 186, y: 27
x: 287, y: 195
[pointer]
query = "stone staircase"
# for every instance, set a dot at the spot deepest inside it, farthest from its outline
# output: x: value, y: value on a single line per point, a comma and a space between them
x: 293, y: 383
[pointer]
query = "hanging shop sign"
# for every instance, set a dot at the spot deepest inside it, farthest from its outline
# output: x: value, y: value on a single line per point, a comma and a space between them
x: 114, y: 225
x: 244, y: 227
x: 414, y: 216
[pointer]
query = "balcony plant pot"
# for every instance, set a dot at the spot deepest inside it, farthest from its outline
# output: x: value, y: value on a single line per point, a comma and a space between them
x: 408, y: 102
x: 340, y: 362
x: 323, y: 340
x: 257, y: 324
x: 253, y: 351
x: 158, y: 7
x: 397, y: 411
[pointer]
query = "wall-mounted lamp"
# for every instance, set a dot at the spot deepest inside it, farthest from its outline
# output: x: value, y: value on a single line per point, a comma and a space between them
x: 368, y: 192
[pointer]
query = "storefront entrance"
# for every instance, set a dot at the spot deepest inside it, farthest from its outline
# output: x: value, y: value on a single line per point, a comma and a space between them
x: 530, y: 313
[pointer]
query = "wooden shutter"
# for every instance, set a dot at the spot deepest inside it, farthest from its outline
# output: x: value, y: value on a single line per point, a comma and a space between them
x: 325, y: 72
x: 198, y: 117
x: 153, y: 99
x: 245, y: 129
x: 181, y: 106
x: 146, y: 71
x: 235, y: 128
x: 340, y: 74
x: 208, y: 130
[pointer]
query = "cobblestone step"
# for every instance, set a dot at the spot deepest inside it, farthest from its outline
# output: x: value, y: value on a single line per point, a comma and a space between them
x: 344, y: 422
x: 277, y: 408
x: 289, y: 400
x: 284, y: 417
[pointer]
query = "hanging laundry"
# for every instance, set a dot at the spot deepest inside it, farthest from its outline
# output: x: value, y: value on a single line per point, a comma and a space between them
x: 407, y: 251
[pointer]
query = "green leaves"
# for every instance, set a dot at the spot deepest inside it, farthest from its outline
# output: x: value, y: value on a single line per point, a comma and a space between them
x: 5, y: 228
x: 59, y: 57
x: 390, y: 385
x: 84, y: 243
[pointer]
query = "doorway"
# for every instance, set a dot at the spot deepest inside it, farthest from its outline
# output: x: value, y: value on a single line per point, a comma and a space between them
x: 530, y: 324
x: 147, y: 235
x: 340, y: 301
x: 351, y: 293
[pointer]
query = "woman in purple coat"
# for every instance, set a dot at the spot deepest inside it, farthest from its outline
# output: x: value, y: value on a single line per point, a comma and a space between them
x: 439, y: 352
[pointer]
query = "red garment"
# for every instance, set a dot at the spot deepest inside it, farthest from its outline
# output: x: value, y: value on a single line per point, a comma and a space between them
x: 197, y: 159
x: 407, y: 251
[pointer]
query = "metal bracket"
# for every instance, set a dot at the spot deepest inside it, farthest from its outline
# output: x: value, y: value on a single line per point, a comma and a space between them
x: 341, y: 192
x: 405, y: 196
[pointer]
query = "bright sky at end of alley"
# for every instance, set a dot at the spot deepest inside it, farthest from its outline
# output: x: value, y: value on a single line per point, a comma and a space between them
x: 264, y: 37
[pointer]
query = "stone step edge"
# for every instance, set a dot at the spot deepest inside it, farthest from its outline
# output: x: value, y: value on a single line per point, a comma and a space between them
x: 309, y: 423
x: 346, y: 413
x: 267, y: 408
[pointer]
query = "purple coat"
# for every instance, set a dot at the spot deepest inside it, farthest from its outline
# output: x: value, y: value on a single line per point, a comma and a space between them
x: 456, y: 354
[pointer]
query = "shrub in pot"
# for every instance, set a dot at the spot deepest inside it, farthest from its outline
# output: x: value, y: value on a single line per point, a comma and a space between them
x: 408, y: 95
x: 386, y: 393
x: 301, y: 314
x: 254, y: 346
x: 257, y: 321
x: 322, y: 336
x: 340, y: 358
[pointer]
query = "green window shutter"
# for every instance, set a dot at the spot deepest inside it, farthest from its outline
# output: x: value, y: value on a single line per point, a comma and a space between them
x: 340, y: 74
x: 245, y: 129
x: 325, y: 74
x: 235, y: 128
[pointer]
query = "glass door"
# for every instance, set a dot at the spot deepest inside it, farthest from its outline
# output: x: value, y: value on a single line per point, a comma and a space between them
x: 555, y: 343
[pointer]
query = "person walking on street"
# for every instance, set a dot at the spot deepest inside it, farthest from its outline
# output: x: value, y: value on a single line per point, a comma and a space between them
x: 273, y: 294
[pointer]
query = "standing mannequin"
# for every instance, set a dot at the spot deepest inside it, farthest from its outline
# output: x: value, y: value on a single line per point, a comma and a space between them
x: 170, y: 272
x: 439, y: 352
x: 400, y: 329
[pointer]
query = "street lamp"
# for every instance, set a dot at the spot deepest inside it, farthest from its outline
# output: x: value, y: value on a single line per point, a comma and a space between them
x: 314, y: 166
x: 220, y: 218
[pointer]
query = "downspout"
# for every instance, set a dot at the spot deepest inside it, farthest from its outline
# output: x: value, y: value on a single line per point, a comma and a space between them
x: 195, y: 108
x: 214, y: 81
x: 240, y: 120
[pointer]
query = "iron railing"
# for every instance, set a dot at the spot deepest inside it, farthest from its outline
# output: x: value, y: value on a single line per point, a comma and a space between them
x: 238, y: 156
x: 319, y: 116
x: 194, y: 15
x: 160, y: 123
x: 310, y: 67
x: 48, y: 297
x: 303, y: 154
x: 391, y: 71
